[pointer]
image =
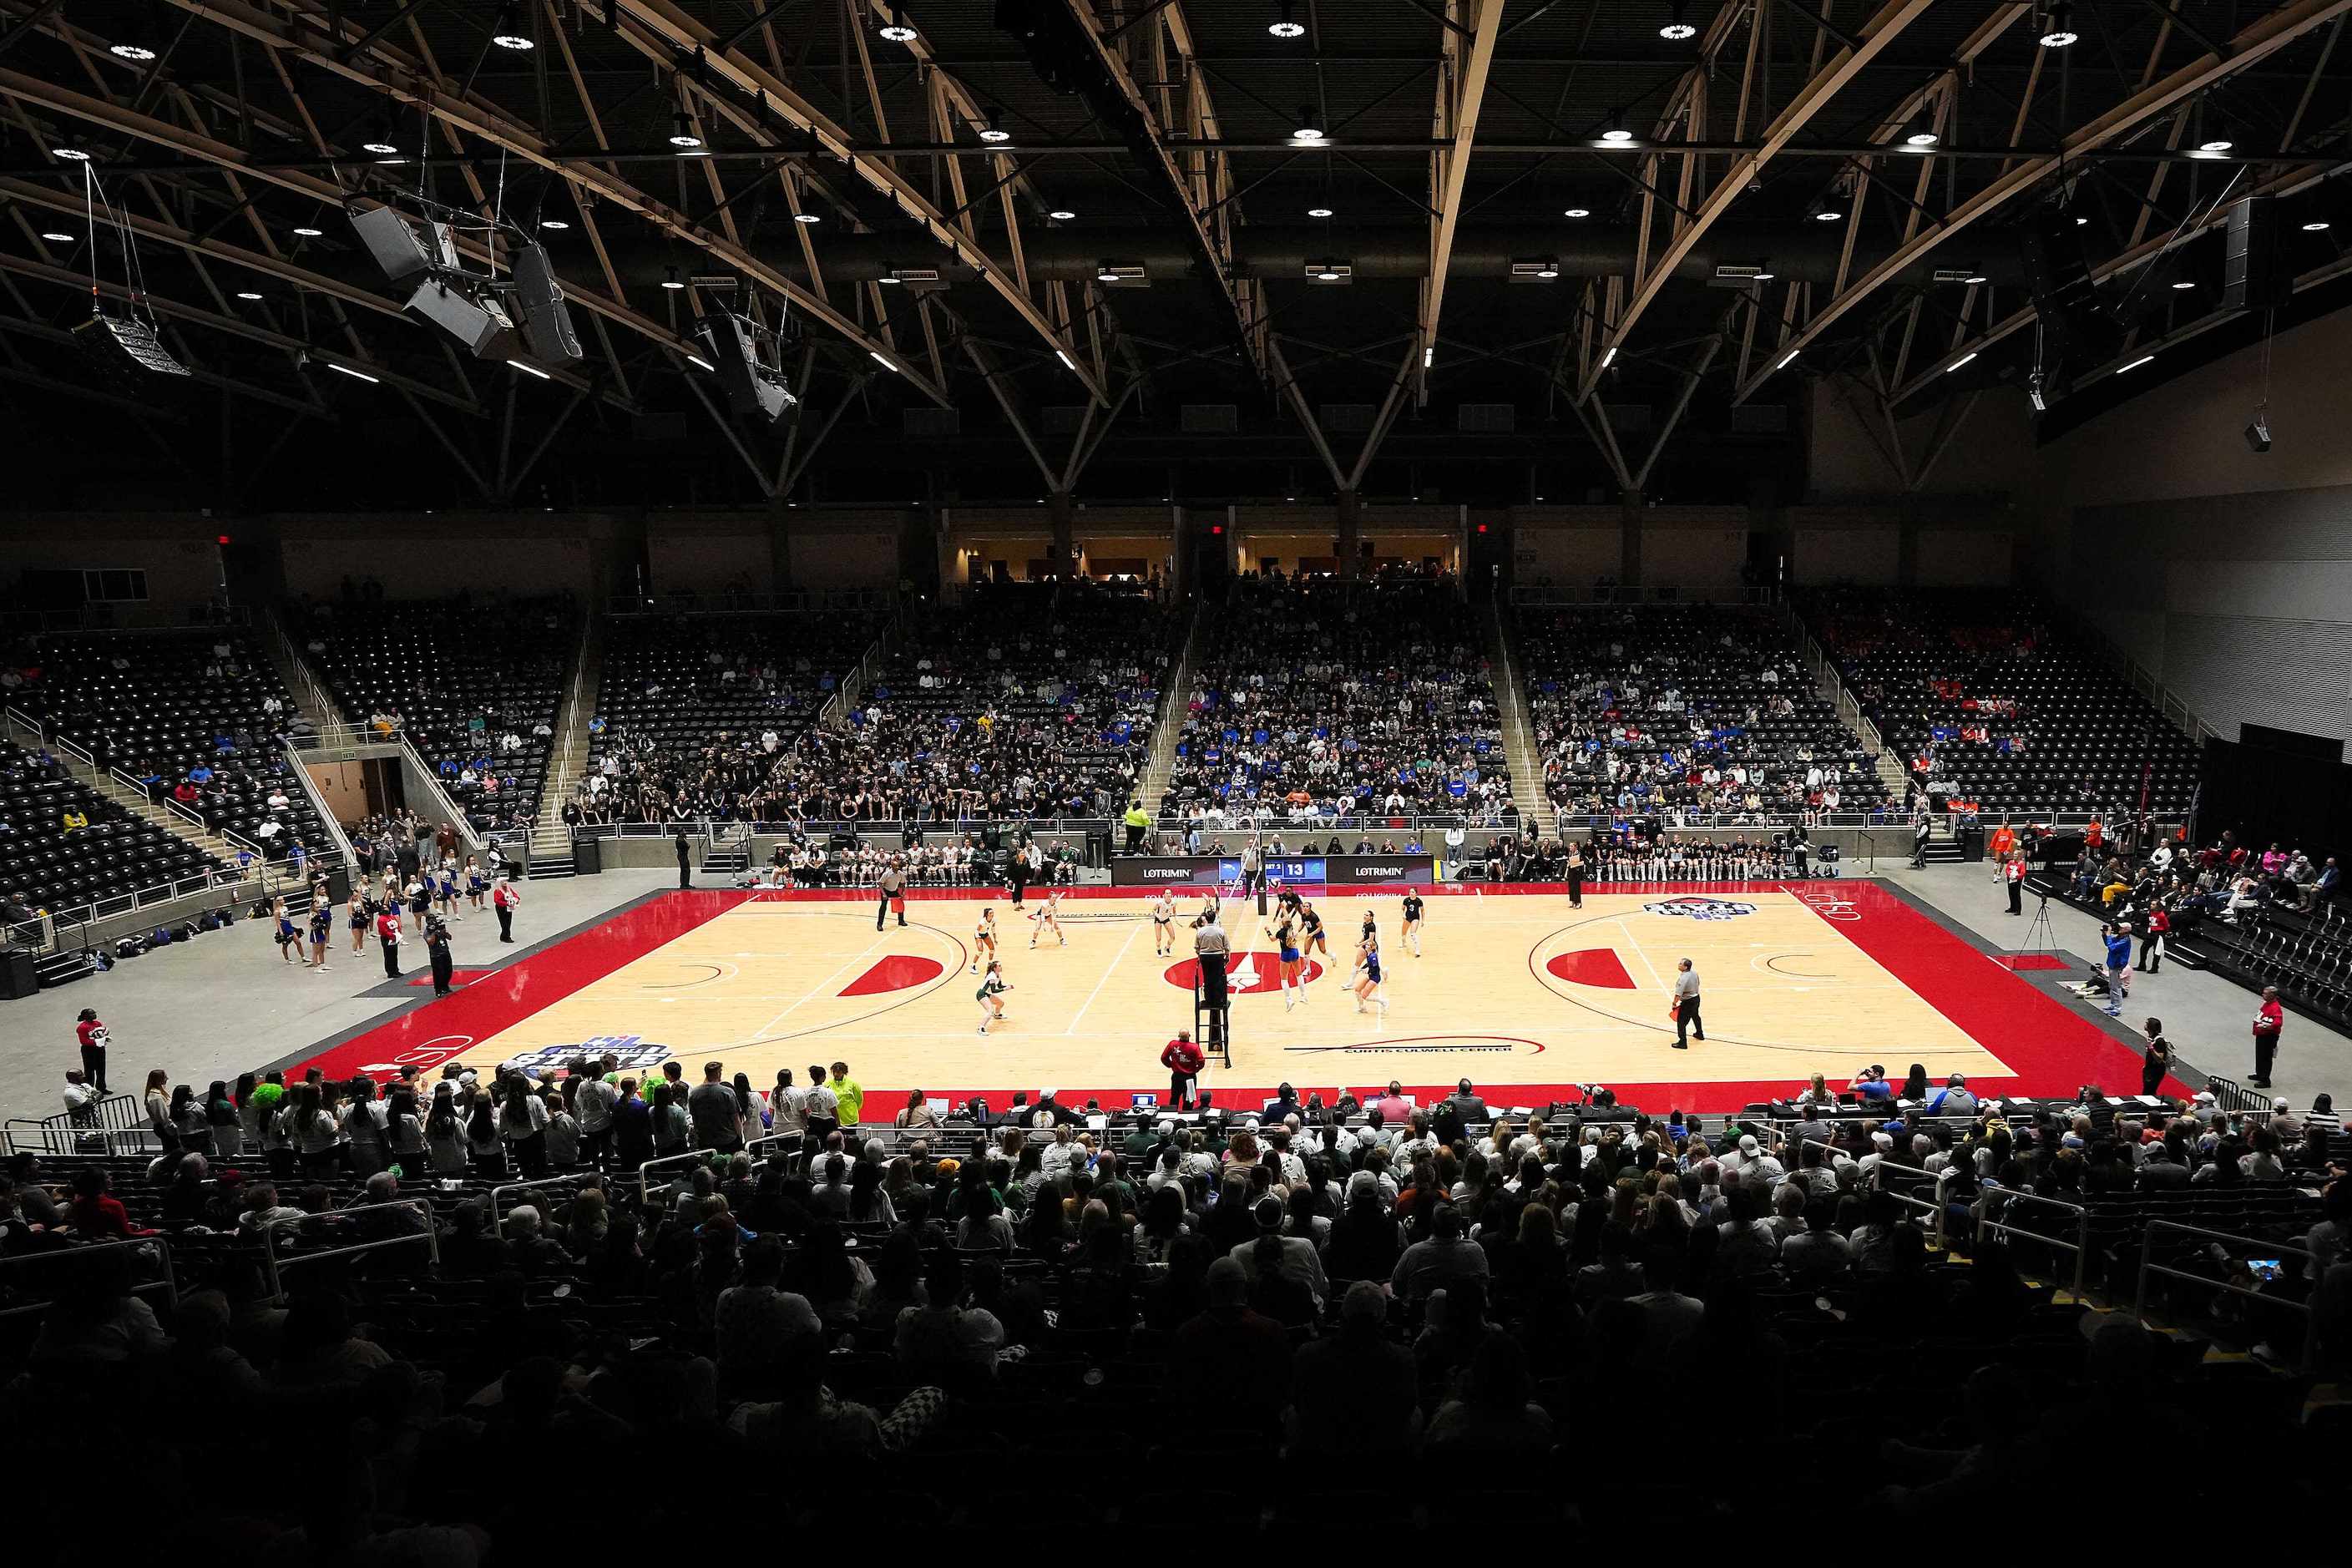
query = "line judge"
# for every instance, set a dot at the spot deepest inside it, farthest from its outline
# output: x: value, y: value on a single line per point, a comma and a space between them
x: 1684, y: 1007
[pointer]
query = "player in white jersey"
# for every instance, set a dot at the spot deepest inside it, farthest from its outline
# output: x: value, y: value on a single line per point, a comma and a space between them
x: 983, y: 939
x: 1163, y: 924
x: 1049, y: 917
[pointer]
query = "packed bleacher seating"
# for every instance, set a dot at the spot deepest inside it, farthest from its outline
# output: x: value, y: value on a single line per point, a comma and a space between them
x: 1316, y: 701
x: 1029, y: 702
x: 1270, y: 1318
x: 197, y: 717
x: 476, y: 684
x: 1986, y: 698
x: 1686, y: 712
x: 65, y: 846
x: 693, y: 710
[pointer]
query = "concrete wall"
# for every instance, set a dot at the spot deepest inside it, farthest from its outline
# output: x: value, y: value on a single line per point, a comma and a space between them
x: 177, y: 550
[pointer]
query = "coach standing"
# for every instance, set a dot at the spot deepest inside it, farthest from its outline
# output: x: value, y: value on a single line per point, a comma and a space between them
x: 2268, y: 1025
x: 1210, y: 948
x: 685, y: 860
x: 2012, y: 871
x: 891, y: 890
x: 1685, y: 1008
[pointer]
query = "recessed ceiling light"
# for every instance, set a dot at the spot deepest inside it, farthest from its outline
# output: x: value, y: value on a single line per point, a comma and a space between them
x: 74, y: 155
x: 1061, y: 214
x: 307, y: 232
x: 1319, y: 212
x: 130, y: 51
x: 1577, y: 212
x: 248, y: 293
x: 554, y: 222
x: 56, y: 237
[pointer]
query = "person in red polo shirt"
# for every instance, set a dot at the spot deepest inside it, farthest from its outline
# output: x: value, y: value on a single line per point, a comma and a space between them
x: 1183, y: 1060
x: 2268, y: 1023
x: 387, y: 932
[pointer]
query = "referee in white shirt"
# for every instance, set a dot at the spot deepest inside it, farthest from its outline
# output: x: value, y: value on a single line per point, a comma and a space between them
x: 1686, y: 1006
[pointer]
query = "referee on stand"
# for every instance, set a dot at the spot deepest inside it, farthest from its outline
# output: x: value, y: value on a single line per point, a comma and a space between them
x: 1211, y: 947
x: 1686, y: 1006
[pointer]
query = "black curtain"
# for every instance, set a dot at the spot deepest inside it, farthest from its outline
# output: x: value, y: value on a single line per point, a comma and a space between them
x: 2269, y: 794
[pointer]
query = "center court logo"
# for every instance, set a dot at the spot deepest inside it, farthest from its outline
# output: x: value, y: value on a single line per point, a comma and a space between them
x: 635, y: 1054
x: 1699, y: 909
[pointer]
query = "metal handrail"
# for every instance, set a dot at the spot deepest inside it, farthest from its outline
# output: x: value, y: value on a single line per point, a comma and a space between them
x: 645, y: 1177
x: 2139, y: 1293
x: 2080, y: 1247
x: 798, y: 1137
x: 430, y: 1236
x: 169, y: 1283
x: 1943, y: 1180
x: 498, y: 1221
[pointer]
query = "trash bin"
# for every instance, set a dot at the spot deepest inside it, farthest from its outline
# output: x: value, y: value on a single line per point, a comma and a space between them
x: 1973, y: 842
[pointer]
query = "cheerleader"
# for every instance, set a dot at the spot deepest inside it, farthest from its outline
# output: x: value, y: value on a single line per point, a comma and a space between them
x: 356, y: 914
x: 290, y: 936
x: 1368, y: 970
x: 448, y: 888
x: 991, y: 996
x: 983, y: 939
x: 420, y: 899
x: 322, y: 930
x: 1163, y: 924
x: 477, y: 883
x: 1049, y: 917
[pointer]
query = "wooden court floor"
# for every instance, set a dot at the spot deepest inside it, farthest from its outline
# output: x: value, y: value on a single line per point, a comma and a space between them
x: 1517, y: 990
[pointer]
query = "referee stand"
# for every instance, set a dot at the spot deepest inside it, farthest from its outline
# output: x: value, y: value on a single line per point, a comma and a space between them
x: 1212, y: 1022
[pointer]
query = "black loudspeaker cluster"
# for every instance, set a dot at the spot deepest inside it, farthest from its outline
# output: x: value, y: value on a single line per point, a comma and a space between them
x: 495, y: 318
x: 2256, y: 271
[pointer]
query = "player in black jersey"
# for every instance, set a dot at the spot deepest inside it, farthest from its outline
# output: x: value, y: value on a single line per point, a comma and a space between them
x: 1411, y: 935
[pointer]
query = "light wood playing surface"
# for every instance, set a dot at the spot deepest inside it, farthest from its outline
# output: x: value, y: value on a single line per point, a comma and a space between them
x: 1785, y: 993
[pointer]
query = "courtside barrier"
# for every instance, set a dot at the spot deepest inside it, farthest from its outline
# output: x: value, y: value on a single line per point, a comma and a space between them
x: 2284, y: 1248
x: 169, y: 1283
x: 2007, y: 1198
x: 276, y: 1264
x: 498, y: 1220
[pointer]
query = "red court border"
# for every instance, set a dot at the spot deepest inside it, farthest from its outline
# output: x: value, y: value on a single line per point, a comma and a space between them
x: 2052, y: 1048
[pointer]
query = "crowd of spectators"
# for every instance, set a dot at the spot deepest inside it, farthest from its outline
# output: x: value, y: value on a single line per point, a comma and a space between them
x: 694, y: 711
x: 1029, y: 702
x: 1304, y: 1296
x: 475, y: 683
x: 1986, y: 699
x: 1316, y: 700
x: 1692, y: 713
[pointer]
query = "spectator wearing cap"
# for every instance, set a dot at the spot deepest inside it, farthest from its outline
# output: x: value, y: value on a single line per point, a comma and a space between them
x: 1300, y: 1261
x: 1353, y: 1393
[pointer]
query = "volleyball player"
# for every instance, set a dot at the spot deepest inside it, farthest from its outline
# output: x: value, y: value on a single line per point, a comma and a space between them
x: 983, y: 939
x: 1049, y: 917
x: 1368, y: 969
x: 991, y: 996
x: 1411, y: 935
x: 1284, y: 930
x: 1163, y: 924
x: 1310, y: 921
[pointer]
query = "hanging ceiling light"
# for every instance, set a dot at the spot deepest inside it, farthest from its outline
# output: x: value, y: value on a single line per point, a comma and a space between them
x: 1307, y: 130
x: 2186, y: 283
x: 1616, y: 135
x: 553, y: 225
x: 1577, y: 212
x: 2058, y: 29
x: 897, y: 30
x: 1676, y: 29
x: 509, y: 33
x: 383, y: 144
x: 1061, y: 214
x: 1319, y: 212
x: 1923, y: 135
x: 2315, y: 225
x: 71, y: 154
x: 307, y: 232
x: 1829, y: 209
x: 2217, y: 144
x: 248, y: 293
x: 1282, y: 26
x: 139, y: 52
x: 808, y: 217
x: 683, y: 137
x: 995, y: 131
x: 57, y: 236
x: 672, y: 281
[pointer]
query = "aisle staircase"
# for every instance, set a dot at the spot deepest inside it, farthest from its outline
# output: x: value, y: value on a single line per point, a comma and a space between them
x: 312, y: 701
x: 1170, y: 731
x: 551, y: 840
x: 1519, y: 735
x: 124, y: 791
